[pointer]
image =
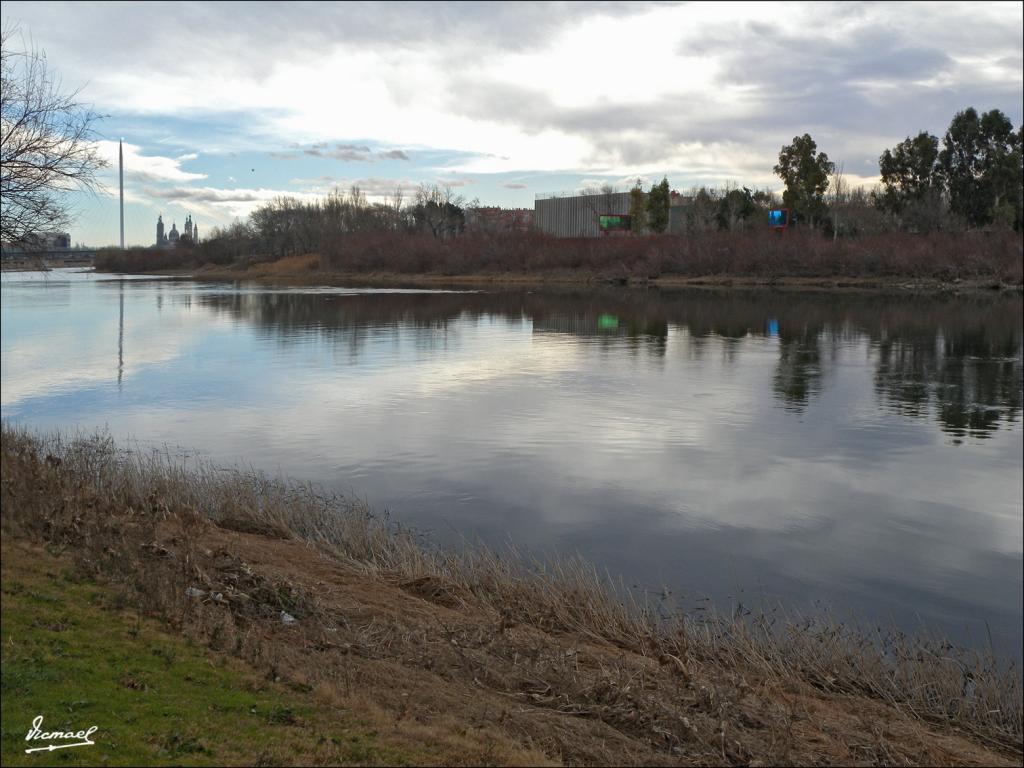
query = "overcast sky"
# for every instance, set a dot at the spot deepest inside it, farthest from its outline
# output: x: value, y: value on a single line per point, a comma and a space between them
x: 224, y: 105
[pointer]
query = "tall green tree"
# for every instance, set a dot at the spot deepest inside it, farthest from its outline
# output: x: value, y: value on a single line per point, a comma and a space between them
x: 981, y: 162
x: 734, y: 209
x: 658, y: 201
x: 638, y: 209
x: 806, y: 174
x: 1006, y: 177
x: 909, y: 172
x: 1015, y: 172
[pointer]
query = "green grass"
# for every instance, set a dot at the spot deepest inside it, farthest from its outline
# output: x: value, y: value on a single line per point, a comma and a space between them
x: 157, y: 699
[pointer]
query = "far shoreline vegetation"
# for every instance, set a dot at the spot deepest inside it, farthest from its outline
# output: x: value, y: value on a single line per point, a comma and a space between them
x: 939, y: 218
x: 550, y: 660
x: 960, y: 261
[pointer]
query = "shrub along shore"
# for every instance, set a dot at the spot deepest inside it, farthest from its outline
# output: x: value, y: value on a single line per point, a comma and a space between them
x: 537, y: 660
x: 937, y: 260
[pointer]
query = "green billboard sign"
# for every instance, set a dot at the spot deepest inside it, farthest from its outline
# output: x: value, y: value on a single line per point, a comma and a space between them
x: 614, y: 222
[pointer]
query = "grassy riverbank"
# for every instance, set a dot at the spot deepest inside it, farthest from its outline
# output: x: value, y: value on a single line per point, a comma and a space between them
x: 75, y: 653
x: 464, y: 657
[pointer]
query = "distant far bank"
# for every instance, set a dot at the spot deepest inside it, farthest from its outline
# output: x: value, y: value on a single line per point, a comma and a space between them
x: 35, y: 265
x: 276, y: 273
x: 936, y: 261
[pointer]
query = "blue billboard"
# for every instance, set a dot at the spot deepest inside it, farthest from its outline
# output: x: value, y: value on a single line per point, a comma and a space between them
x: 778, y: 218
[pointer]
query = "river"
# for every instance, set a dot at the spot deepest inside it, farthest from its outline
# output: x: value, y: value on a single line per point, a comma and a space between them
x: 853, y: 453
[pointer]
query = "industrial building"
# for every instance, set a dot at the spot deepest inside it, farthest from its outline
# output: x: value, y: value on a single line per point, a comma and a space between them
x: 576, y: 215
x: 44, y: 243
x: 494, y: 219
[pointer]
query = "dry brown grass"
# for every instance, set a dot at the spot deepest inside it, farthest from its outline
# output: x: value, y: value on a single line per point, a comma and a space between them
x: 547, y: 656
x: 288, y: 265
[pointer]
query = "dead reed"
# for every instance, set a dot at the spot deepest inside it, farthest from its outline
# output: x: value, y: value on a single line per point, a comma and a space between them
x: 85, y: 493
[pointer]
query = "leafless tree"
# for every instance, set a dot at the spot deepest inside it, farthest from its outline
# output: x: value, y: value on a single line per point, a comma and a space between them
x: 47, y: 143
x: 439, y: 209
x: 702, y: 211
x: 732, y: 206
x: 840, y: 195
x: 396, y: 207
x: 599, y: 200
x: 477, y: 218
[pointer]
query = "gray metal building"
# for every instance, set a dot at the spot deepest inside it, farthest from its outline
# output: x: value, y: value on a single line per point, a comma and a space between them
x: 576, y: 215
x: 677, y: 215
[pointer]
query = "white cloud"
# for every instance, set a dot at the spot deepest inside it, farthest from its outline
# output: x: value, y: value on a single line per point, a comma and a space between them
x: 221, y: 205
x: 704, y: 93
x: 150, y: 168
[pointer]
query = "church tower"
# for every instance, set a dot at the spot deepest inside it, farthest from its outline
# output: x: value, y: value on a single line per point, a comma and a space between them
x: 188, y: 227
x: 160, y: 239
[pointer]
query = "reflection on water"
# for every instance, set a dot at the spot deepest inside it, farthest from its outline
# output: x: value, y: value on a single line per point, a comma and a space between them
x: 955, y: 360
x: 862, y: 451
x: 120, y: 333
x: 969, y: 377
x: 798, y: 374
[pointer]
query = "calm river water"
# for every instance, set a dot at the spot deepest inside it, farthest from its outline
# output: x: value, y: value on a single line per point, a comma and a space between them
x: 861, y: 454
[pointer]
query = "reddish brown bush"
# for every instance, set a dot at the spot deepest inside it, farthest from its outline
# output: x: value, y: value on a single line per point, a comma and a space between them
x: 144, y: 259
x: 764, y: 254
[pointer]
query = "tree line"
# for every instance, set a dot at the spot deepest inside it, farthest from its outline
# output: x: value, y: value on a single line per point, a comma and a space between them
x: 972, y: 179
x: 286, y: 226
x: 975, y: 180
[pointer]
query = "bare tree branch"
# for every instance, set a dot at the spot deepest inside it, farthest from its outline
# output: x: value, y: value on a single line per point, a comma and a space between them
x: 47, y: 144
